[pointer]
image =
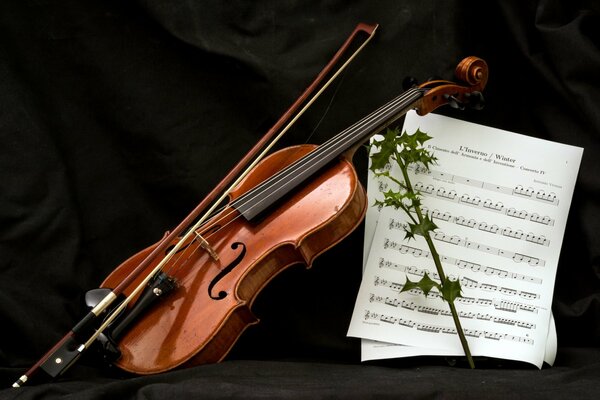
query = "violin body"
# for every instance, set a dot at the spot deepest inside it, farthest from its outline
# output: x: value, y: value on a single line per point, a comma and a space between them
x: 203, y: 317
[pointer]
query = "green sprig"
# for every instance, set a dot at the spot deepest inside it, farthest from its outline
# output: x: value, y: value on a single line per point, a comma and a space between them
x: 407, y: 150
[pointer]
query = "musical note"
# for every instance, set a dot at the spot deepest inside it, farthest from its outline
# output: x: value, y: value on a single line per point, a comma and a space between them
x: 429, y: 310
x: 474, y: 333
x: 515, y: 234
x: 466, y: 283
x: 429, y: 328
x: 493, y: 335
x: 504, y: 321
x: 472, y: 200
x: 438, y: 215
x: 502, y: 305
x: 516, y: 257
x: 507, y: 306
x: 475, y: 267
x: 489, y: 287
x: 550, y: 197
x: 388, y: 319
x: 513, y: 212
x: 450, y: 194
x: 469, y: 223
x: 529, y: 295
x: 473, y: 284
x: 482, y: 226
x: 499, y: 304
x: 384, y: 282
x: 518, y: 190
x: 483, y: 302
x: 435, y: 328
x: 546, y: 220
x: 530, y: 237
x: 385, y: 300
x: 466, y: 314
x: 495, y: 206
x: 406, y: 323
x: 429, y: 189
x: 488, y: 204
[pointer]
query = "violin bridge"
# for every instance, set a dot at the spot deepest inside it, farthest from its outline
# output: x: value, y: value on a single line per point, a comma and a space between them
x: 206, y: 246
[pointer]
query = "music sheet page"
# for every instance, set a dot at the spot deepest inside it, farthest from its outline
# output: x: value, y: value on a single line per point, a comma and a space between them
x: 500, y: 201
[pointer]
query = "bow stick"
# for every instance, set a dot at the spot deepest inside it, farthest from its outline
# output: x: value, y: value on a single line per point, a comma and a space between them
x: 67, y: 350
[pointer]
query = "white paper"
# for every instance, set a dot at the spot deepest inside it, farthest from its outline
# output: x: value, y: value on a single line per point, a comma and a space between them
x: 501, y: 202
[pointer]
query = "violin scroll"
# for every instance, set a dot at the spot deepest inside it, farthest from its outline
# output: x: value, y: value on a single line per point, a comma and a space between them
x: 472, y: 71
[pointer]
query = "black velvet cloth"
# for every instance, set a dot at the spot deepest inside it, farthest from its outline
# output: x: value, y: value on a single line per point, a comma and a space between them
x: 116, y: 117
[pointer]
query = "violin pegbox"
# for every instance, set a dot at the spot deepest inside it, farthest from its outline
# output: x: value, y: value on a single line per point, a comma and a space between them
x: 472, y: 74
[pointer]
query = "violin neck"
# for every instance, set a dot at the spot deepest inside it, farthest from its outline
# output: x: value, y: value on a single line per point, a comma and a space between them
x: 268, y: 192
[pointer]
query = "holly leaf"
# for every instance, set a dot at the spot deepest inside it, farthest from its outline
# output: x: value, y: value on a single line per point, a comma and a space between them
x: 408, y: 233
x: 387, y: 148
x: 393, y: 199
x: 425, y: 284
x: 426, y: 225
x: 451, y: 290
x: 421, y: 137
x: 412, y: 150
x: 409, y: 285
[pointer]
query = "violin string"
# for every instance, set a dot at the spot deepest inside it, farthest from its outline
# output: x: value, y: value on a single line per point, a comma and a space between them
x: 198, y: 224
x: 176, y: 266
x: 356, y: 130
x: 349, y: 135
x: 329, y: 104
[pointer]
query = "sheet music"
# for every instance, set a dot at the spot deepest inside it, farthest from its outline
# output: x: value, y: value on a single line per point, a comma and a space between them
x: 500, y: 201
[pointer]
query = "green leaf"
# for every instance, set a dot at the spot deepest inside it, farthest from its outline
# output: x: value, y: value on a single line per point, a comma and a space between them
x: 397, y: 199
x: 421, y: 137
x: 385, y: 174
x: 426, y: 225
x: 409, y: 285
x: 387, y: 148
x: 408, y: 234
x: 451, y: 290
x: 425, y: 284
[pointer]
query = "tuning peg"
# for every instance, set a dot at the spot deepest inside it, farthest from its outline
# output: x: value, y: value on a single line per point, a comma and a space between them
x: 454, y: 102
x: 409, y: 82
x: 475, y: 100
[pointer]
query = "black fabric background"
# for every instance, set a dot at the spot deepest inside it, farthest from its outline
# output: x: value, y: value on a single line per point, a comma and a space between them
x: 116, y: 117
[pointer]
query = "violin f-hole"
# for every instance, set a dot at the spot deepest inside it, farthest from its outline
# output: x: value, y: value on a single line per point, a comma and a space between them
x: 222, y: 294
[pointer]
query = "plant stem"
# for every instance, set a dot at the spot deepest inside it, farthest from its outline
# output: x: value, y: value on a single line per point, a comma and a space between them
x: 440, y: 270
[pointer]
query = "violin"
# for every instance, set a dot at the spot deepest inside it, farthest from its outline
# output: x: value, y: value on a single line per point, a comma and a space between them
x: 186, y: 300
